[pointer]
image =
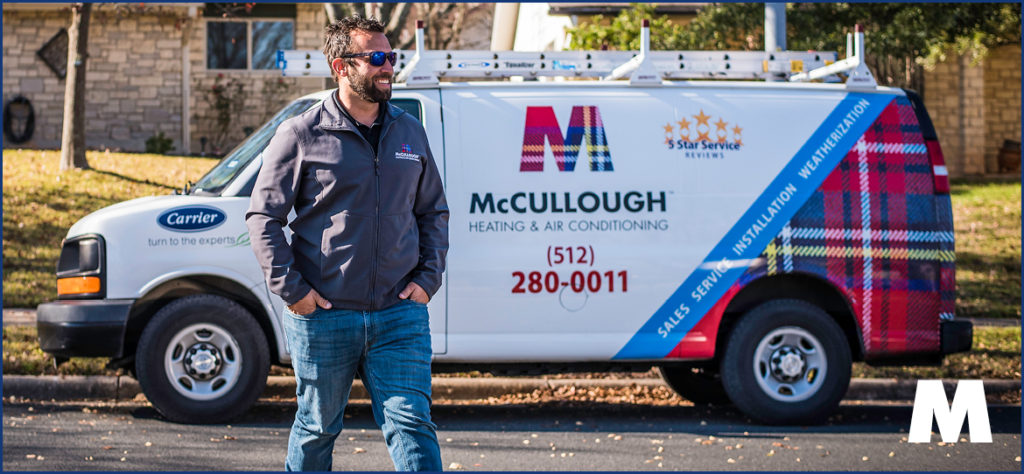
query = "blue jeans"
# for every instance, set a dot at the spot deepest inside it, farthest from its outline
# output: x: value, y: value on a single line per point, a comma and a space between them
x: 390, y: 349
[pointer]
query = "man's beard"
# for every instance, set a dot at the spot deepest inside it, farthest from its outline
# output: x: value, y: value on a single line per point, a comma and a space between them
x: 365, y: 87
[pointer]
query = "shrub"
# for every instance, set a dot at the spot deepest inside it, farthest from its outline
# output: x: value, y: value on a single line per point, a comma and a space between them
x: 159, y: 144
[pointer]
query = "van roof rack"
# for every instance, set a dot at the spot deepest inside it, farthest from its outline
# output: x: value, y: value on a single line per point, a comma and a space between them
x: 645, y: 67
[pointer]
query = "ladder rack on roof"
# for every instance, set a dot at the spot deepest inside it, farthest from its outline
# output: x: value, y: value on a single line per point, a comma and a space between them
x: 646, y: 67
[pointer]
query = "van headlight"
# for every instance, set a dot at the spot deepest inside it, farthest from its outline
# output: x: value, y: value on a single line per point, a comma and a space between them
x: 81, y: 270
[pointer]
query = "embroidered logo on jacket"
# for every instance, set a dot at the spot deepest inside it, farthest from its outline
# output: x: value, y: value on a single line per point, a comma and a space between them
x: 406, y: 153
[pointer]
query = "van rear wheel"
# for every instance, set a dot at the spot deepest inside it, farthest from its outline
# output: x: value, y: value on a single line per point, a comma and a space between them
x: 786, y: 361
x: 202, y: 359
x: 700, y: 385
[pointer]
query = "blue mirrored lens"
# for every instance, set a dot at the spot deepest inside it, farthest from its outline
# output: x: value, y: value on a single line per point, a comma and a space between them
x: 378, y: 58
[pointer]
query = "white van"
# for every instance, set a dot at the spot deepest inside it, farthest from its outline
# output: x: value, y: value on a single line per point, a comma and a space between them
x: 750, y: 239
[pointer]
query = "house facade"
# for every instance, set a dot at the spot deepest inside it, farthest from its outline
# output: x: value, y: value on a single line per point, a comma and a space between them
x: 153, y: 68
x: 203, y: 75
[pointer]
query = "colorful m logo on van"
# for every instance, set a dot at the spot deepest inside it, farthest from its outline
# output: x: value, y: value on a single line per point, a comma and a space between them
x: 585, y: 123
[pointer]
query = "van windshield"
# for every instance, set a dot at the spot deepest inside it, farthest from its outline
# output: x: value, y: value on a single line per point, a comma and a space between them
x: 215, y: 180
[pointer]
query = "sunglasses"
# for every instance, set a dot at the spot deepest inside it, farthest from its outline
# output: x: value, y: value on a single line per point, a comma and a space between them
x: 377, y: 58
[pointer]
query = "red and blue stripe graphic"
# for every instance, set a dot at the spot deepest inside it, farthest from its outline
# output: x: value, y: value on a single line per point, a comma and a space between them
x: 758, y: 227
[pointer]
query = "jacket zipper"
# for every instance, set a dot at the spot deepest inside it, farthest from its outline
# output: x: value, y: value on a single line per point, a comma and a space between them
x: 376, y: 230
x: 376, y: 206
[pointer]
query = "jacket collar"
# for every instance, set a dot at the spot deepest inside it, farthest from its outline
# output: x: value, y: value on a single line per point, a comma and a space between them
x: 333, y: 118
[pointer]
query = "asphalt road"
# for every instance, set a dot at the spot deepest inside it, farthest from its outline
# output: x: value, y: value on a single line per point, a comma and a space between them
x: 552, y: 436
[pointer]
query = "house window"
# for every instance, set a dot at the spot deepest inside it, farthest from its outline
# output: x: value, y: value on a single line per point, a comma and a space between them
x: 247, y: 36
x: 267, y: 38
x: 226, y: 45
x: 247, y: 44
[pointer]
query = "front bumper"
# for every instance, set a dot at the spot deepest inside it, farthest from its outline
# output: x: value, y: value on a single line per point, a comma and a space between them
x: 957, y: 335
x: 83, y: 328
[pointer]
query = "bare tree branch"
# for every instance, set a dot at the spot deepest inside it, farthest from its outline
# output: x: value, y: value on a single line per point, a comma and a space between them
x: 397, y: 19
x: 444, y: 21
x: 453, y: 40
x: 337, y: 11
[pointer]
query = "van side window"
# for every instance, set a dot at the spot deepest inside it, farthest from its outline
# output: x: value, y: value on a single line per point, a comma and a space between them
x: 410, y: 106
x: 218, y: 178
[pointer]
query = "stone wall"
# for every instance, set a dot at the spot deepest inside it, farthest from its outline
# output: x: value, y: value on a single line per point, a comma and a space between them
x: 131, y: 93
x: 1002, y: 102
x: 25, y: 74
x: 974, y: 108
x: 134, y: 86
x: 134, y: 78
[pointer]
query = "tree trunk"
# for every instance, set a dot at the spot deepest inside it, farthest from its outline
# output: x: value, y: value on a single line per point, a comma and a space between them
x: 72, y: 150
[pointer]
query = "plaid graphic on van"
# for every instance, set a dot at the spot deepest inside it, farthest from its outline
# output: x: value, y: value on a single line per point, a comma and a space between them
x: 877, y: 231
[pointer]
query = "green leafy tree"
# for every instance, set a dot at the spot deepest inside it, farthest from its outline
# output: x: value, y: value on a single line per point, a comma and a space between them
x: 901, y: 37
x: 623, y: 32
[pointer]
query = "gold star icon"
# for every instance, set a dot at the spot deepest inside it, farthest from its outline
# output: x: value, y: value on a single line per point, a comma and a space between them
x: 668, y: 128
x: 702, y: 119
x: 737, y: 130
x: 683, y: 124
x: 703, y: 136
x: 721, y: 124
x: 668, y: 140
x: 721, y: 139
x: 739, y: 142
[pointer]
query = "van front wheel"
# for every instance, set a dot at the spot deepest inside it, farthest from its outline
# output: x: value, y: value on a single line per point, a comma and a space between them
x: 202, y: 359
x: 786, y: 361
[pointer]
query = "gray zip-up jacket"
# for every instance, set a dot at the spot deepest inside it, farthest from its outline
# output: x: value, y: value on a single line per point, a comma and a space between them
x: 365, y: 225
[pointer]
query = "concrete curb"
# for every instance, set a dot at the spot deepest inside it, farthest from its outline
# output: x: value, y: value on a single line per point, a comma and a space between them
x: 78, y: 387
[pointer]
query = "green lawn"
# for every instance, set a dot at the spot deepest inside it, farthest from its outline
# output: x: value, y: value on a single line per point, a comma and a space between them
x: 40, y: 203
x: 986, y: 219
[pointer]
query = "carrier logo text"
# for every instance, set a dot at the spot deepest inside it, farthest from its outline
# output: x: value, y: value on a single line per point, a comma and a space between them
x: 584, y: 126
x: 703, y: 137
x: 191, y: 218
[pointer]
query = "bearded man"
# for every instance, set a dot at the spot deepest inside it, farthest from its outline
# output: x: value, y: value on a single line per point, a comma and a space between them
x: 370, y: 235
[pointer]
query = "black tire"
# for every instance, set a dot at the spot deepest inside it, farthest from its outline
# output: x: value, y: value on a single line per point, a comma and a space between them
x: 222, y: 344
x: 786, y: 362
x: 700, y: 385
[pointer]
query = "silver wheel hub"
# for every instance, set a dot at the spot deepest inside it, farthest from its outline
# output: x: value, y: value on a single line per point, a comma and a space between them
x: 787, y: 364
x: 202, y: 361
x: 790, y: 364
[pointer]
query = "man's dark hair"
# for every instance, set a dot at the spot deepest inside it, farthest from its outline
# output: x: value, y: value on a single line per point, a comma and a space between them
x: 338, y: 36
